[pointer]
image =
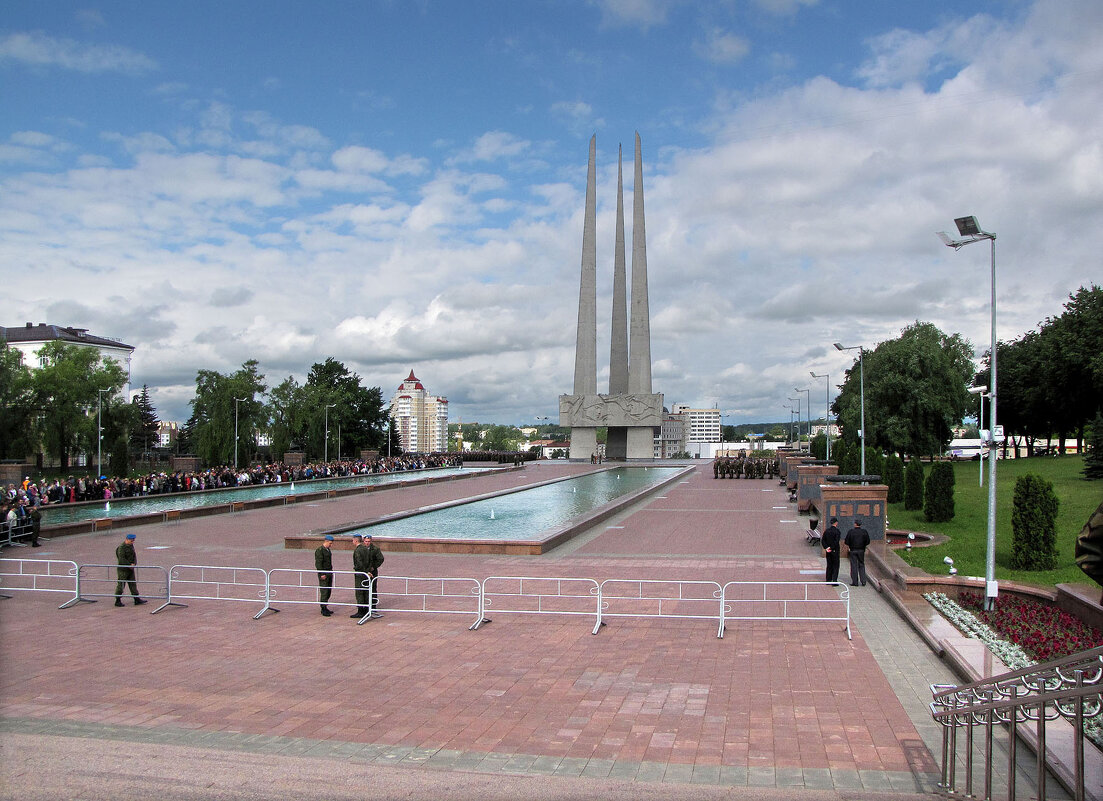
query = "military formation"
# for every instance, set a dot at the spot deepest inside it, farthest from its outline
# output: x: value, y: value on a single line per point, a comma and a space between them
x: 744, y: 467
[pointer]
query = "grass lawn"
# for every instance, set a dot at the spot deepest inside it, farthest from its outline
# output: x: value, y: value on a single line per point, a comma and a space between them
x: 968, y: 531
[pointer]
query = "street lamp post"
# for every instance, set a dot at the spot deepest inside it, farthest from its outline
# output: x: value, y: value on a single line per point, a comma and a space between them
x: 970, y: 229
x: 862, y: 387
x: 827, y: 419
x: 983, y: 393
x: 325, y: 448
x: 797, y: 399
x: 99, y: 431
x: 807, y: 413
x: 236, y: 402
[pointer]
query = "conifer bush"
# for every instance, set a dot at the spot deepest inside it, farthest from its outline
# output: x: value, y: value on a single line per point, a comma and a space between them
x: 1034, y: 524
x: 938, y: 493
x: 894, y: 478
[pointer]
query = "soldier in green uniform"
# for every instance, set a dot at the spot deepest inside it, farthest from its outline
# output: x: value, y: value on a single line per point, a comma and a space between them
x: 126, y: 559
x: 375, y: 559
x: 323, y: 563
x: 360, y: 565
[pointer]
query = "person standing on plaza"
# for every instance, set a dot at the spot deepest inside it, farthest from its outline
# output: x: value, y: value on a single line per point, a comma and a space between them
x: 830, y: 541
x: 375, y: 559
x: 360, y: 554
x: 323, y: 563
x: 126, y: 558
x: 857, y: 540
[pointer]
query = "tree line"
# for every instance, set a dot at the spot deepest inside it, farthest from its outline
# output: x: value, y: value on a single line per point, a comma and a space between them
x: 59, y: 407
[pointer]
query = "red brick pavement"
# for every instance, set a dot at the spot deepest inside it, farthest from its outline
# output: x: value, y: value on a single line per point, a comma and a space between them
x: 768, y: 694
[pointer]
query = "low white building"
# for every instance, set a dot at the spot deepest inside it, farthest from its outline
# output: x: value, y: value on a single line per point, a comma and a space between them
x: 28, y: 339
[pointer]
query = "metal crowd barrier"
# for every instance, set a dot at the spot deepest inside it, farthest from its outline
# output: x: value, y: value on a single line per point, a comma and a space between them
x: 39, y: 575
x: 668, y: 598
x: 785, y: 600
x: 1070, y: 688
x: 301, y: 587
x: 534, y: 595
x: 18, y: 529
x: 433, y: 595
x: 215, y: 583
x: 99, y: 581
x: 540, y: 595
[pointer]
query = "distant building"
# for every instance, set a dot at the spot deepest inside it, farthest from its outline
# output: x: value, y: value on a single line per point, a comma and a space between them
x: 672, y: 436
x: 701, y: 425
x: 28, y: 339
x: 420, y: 419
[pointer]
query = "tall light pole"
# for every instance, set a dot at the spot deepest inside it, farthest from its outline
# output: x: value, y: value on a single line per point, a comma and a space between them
x: 862, y: 387
x: 827, y: 419
x: 807, y: 413
x: 325, y: 448
x: 790, y: 408
x: 983, y: 393
x: 99, y: 431
x: 969, y: 228
x: 797, y: 399
x: 236, y: 402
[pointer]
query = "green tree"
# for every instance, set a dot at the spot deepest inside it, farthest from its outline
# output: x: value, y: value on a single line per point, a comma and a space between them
x: 501, y: 438
x: 915, y: 391
x: 1034, y: 524
x: 819, y: 447
x: 1093, y: 459
x: 16, y: 404
x: 357, y: 411
x: 286, y: 410
x: 215, y: 412
x: 66, y: 389
x: 938, y: 493
x: 894, y: 478
x: 913, y: 484
x: 144, y: 433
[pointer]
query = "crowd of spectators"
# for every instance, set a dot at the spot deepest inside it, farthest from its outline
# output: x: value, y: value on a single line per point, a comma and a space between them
x: 33, y: 494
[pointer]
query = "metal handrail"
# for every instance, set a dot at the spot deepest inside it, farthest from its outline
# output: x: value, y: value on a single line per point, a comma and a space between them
x: 1070, y: 688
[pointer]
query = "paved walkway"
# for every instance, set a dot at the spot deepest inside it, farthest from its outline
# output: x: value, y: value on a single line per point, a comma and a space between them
x: 532, y: 706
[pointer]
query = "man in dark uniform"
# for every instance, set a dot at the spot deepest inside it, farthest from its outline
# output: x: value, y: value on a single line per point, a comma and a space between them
x: 126, y: 559
x: 323, y: 563
x: 857, y: 539
x: 830, y: 541
x: 375, y: 559
x: 360, y: 565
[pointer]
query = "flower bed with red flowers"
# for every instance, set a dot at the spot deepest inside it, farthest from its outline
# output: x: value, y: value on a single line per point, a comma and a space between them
x: 1043, y: 631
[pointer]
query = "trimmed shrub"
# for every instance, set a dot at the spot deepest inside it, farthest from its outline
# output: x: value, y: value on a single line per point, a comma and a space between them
x: 1093, y: 459
x: 847, y: 459
x: 1034, y: 524
x: 875, y: 462
x: 913, y: 484
x: 894, y: 478
x: 938, y: 493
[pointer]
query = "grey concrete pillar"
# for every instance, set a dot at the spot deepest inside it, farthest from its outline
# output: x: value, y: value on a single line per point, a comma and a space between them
x: 618, y: 341
x: 585, y: 354
x: 639, y: 343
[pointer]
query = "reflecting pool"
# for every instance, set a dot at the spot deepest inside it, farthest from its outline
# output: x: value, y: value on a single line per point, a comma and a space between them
x: 152, y: 504
x: 524, y: 514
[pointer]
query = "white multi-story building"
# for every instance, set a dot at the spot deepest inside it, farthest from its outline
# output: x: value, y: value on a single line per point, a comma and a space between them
x: 701, y: 425
x: 421, y: 419
x: 29, y: 339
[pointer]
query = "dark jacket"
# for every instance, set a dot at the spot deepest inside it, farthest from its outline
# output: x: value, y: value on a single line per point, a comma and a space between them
x: 857, y: 539
x: 323, y: 560
x: 830, y: 539
x: 375, y: 559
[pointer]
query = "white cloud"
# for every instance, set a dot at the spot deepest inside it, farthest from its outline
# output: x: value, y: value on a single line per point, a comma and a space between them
x: 721, y: 47
x: 39, y: 50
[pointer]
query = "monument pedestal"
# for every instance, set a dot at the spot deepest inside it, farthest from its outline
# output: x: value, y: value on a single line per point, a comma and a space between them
x: 636, y: 416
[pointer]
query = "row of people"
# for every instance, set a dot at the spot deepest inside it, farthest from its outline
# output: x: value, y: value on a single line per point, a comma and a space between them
x: 87, y: 488
x: 743, y: 467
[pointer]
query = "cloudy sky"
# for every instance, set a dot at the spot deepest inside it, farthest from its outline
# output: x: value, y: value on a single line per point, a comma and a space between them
x: 399, y: 185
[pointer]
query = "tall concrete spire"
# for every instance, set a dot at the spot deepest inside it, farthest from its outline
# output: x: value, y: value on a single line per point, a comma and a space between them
x: 585, y: 354
x: 618, y: 341
x: 639, y: 353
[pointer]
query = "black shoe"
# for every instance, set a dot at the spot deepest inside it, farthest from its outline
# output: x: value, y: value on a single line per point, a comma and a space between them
x: 357, y: 614
x: 855, y: 585
x: 326, y: 613
x: 118, y: 602
x: 36, y: 545
x: 138, y: 602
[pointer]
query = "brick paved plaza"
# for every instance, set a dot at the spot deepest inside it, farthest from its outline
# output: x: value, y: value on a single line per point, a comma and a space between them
x: 205, y: 702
